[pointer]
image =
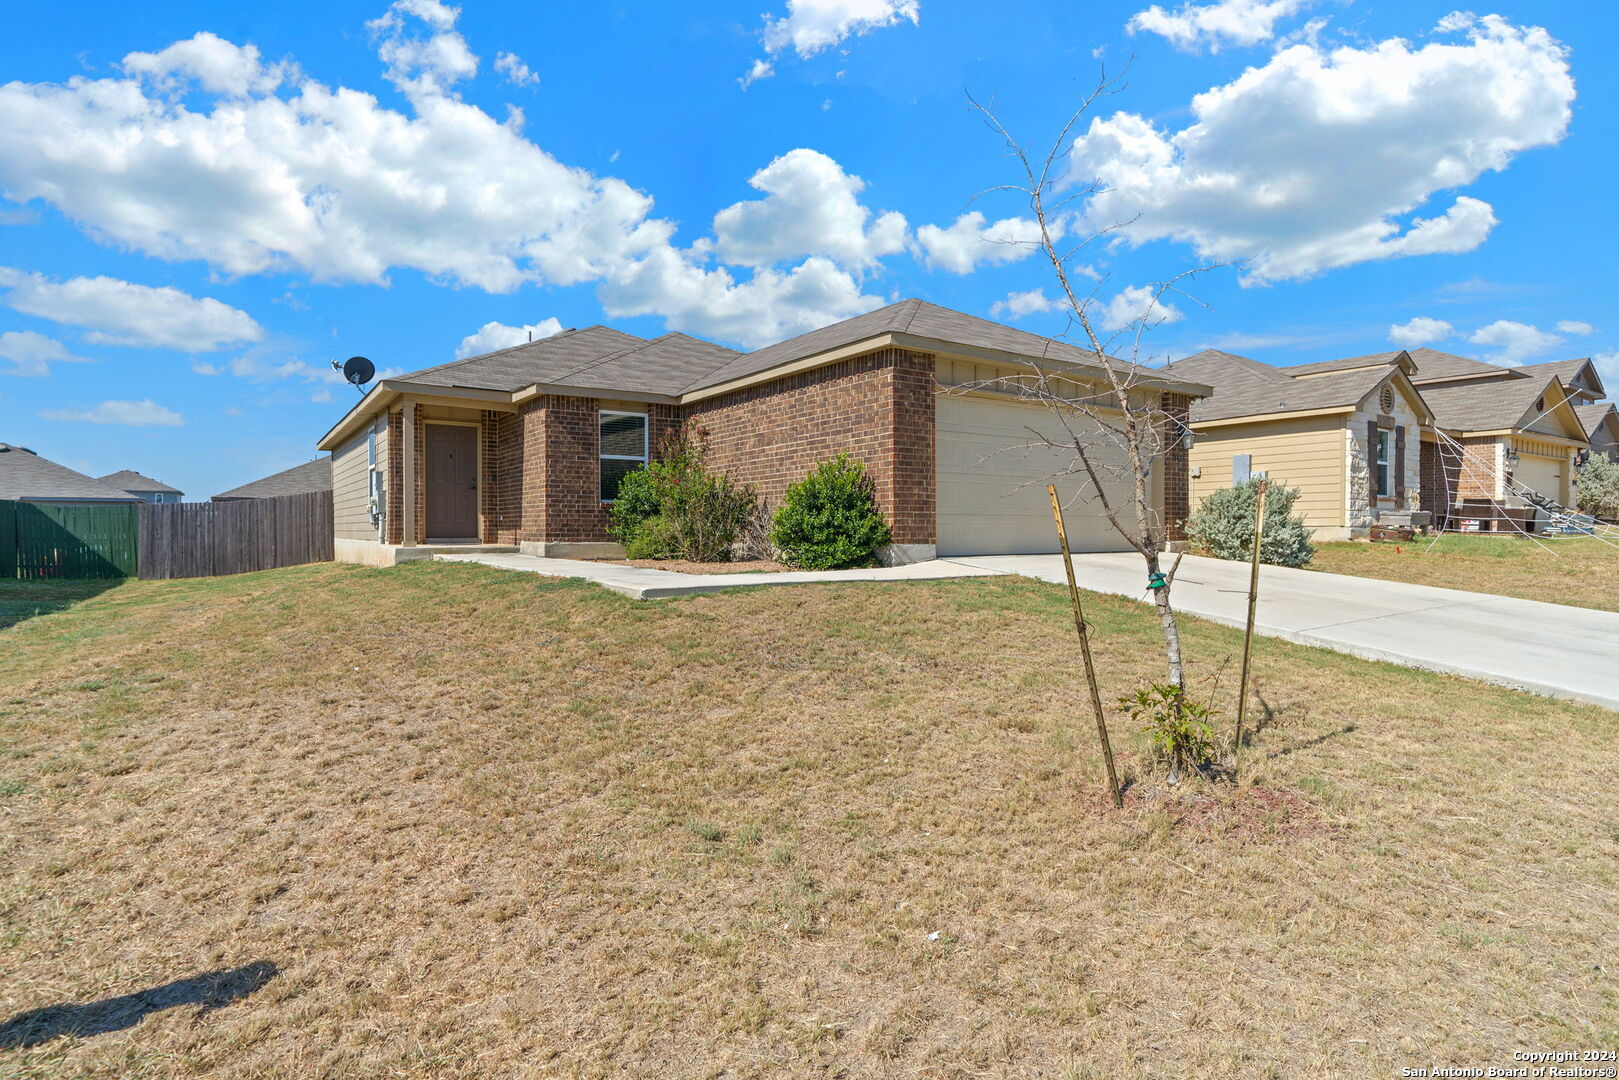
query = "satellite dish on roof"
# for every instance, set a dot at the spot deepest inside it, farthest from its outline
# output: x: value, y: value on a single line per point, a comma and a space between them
x: 359, y: 371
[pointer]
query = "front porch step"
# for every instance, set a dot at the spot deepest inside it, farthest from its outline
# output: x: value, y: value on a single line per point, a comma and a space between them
x: 431, y: 551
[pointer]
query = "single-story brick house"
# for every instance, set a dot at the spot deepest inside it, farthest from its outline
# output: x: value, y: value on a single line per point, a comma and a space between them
x: 524, y: 447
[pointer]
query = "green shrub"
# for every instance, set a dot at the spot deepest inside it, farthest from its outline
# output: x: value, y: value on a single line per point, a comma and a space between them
x: 675, y: 508
x: 1599, y: 487
x: 829, y: 519
x: 636, y: 503
x: 1224, y: 526
x: 1177, y: 727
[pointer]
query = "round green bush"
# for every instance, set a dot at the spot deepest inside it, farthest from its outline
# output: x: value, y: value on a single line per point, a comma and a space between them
x: 829, y: 520
x: 1224, y: 526
x: 636, y: 504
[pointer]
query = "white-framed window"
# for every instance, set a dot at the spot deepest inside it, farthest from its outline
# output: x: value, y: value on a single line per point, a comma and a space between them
x: 1384, y: 487
x: 623, y: 448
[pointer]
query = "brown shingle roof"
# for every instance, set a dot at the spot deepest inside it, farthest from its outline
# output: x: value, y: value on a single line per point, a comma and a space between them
x: 917, y: 318
x: 544, y: 361
x: 1571, y: 372
x: 1431, y: 364
x: 300, y: 479
x: 1484, y: 406
x: 131, y: 481
x: 1246, y: 387
x: 26, y: 476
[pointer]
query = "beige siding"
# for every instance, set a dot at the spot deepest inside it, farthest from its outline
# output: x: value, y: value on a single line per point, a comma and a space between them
x: 1306, y: 453
x: 992, y: 477
x: 351, y: 491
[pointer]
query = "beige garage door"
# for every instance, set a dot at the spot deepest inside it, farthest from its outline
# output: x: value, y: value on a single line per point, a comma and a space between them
x: 991, y: 487
x: 1544, y: 475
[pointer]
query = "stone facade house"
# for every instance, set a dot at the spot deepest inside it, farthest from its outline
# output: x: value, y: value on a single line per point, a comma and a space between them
x: 1375, y: 438
x: 524, y: 448
x: 1347, y: 439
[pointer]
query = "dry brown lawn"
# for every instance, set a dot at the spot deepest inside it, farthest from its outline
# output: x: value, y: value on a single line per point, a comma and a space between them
x: 1582, y: 571
x: 445, y: 821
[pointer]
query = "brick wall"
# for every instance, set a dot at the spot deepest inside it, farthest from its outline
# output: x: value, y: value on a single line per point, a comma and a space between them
x: 1441, y: 465
x: 1177, y: 472
x: 395, y: 523
x: 879, y: 408
x: 1479, y: 468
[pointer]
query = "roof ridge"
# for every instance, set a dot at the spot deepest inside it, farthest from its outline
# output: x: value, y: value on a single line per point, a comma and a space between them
x: 522, y: 345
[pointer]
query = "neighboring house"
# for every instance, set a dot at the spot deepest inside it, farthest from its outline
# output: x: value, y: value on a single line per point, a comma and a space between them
x: 27, y: 477
x: 1601, y: 423
x: 311, y: 476
x: 1484, y: 429
x: 526, y: 446
x: 143, y: 487
x: 1347, y: 439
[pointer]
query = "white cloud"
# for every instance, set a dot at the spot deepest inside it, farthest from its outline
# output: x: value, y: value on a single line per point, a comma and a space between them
x: 118, y: 312
x: 517, y: 73
x: 971, y: 242
x: 423, y: 65
x: 215, y: 64
x: 812, y: 26
x: 1132, y: 306
x: 321, y: 397
x: 1310, y: 161
x: 766, y: 308
x: 1420, y: 331
x: 1019, y: 305
x: 326, y: 181
x: 1517, y: 341
x: 761, y: 69
x: 1236, y: 22
x: 811, y: 208
x: 32, y: 354
x: 202, y: 367
x: 146, y: 413
x: 323, y: 180
x: 1607, y: 365
x: 1575, y: 327
x: 497, y: 335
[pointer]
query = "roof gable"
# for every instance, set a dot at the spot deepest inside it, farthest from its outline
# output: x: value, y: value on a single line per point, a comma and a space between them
x: 26, y: 476
x: 311, y: 476
x: 131, y: 481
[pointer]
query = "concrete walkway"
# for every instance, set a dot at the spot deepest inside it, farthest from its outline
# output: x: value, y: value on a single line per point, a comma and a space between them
x: 1563, y: 652
x: 641, y: 583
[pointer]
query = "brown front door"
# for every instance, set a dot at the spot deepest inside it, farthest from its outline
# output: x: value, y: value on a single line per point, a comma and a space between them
x: 452, y: 482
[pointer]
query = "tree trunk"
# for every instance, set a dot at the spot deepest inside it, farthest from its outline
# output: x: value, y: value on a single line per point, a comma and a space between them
x: 1172, y: 633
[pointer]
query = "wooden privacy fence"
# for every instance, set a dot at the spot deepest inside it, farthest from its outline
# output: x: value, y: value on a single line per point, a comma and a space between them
x: 41, y: 541
x: 179, y: 540
x: 174, y: 540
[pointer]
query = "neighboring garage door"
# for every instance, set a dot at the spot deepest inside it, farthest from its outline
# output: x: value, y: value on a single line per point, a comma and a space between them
x: 1544, y: 475
x: 992, y: 490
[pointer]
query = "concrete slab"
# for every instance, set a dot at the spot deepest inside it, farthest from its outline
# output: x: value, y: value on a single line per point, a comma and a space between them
x: 1551, y: 649
x: 641, y: 583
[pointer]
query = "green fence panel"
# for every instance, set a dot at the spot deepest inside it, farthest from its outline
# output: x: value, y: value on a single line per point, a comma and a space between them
x: 8, y: 539
x: 65, y: 540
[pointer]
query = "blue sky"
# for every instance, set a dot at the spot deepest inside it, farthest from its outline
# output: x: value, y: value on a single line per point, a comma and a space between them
x: 204, y: 206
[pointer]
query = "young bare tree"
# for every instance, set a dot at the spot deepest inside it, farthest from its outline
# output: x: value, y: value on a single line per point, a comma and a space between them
x: 1111, y: 429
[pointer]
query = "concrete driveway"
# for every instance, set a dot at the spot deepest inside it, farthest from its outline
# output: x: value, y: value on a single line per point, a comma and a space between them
x: 1563, y: 652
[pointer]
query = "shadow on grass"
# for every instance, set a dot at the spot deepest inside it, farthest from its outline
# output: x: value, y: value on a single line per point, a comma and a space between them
x: 22, y: 600
x: 212, y: 990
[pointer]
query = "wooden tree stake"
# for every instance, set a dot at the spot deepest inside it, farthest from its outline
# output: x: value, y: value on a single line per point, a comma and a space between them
x: 1085, y: 650
x: 1248, y: 634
